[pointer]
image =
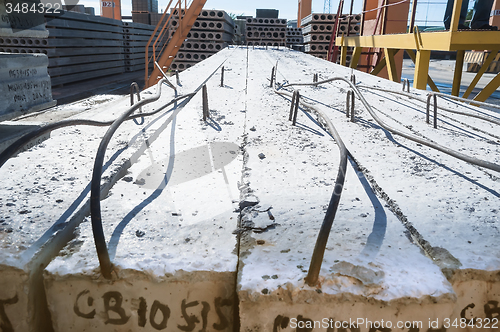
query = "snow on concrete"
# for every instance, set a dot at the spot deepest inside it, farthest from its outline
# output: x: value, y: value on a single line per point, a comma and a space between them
x: 452, y: 204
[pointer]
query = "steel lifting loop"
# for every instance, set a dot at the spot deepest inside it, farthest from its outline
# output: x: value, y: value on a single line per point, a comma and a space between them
x: 165, y: 77
x: 416, y: 35
x: 292, y: 106
x: 406, y: 84
x: 296, y: 109
x: 135, y: 87
x: 427, y: 115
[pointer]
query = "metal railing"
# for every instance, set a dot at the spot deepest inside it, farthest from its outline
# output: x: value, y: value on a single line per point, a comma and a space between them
x: 162, y: 39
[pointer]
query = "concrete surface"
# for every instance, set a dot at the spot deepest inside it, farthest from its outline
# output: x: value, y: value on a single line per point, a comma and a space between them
x: 24, y: 84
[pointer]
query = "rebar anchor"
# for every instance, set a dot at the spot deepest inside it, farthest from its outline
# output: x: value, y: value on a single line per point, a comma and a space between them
x: 406, y: 84
x: 206, y: 113
x: 349, y: 104
x: 273, y: 76
x: 294, y: 108
x: 177, y: 77
x: 222, y: 77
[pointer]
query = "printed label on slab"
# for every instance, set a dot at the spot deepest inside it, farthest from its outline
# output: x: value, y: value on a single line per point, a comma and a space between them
x: 143, y: 313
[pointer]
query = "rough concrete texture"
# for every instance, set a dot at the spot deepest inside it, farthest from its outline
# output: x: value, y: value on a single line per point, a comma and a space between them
x: 24, y: 84
x: 135, y: 302
x: 389, y: 219
x: 11, y: 132
x: 169, y: 224
x: 22, y: 22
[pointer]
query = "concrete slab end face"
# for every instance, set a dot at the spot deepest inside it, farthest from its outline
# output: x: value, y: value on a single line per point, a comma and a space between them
x: 24, y: 84
x: 15, y: 314
x: 195, y: 301
x: 478, y: 293
x: 315, y: 311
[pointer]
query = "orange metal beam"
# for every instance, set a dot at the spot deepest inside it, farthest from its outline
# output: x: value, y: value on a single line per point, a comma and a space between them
x: 169, y: 51
x: 305, y: 9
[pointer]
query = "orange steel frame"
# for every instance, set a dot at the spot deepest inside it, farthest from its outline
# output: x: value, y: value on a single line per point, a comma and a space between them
x: 305, y: 9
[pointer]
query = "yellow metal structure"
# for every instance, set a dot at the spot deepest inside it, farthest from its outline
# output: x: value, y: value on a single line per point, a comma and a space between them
x: 166, y: 44
x: 424, y: 43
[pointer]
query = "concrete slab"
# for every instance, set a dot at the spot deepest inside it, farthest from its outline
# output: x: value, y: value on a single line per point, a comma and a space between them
x: 169, y: 225
x: 447, y: 206
x: 9, y: 133
x: 43, y: 198
x: 220, y: 218
x: 24, y: 84
x: 363, y: 265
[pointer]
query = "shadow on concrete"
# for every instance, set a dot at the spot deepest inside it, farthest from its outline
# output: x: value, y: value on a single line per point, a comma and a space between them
x: 376, y: 237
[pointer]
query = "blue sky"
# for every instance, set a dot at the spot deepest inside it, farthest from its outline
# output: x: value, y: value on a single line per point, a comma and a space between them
x: 430, y: 10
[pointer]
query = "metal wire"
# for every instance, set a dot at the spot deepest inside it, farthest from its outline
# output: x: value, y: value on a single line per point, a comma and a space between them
x: 412, y: 96
x: 95, y: 188
x: 17, y: 145
x: 453, y: 153
x: 319, y: 249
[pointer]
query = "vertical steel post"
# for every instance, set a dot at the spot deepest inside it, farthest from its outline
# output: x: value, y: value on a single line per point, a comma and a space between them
x: 406, y: 84
x: 294, y: 98
x: 272, y: 78
x: 177, y: 77
x: 205, y: 103
x: 435, y: 112
x: 297, y: 100
x: 222, y: 77
x: 347, y: 99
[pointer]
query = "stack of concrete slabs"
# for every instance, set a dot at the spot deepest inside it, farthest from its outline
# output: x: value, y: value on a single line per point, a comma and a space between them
x: 212, y: 31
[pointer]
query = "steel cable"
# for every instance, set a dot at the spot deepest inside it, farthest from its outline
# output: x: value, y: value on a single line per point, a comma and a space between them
x: 320, y: 246
x: 17, y: 145
x: 319, y: 249
x: 456, y: 154
x: 409, y: 95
